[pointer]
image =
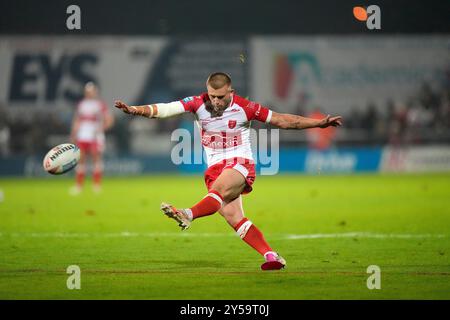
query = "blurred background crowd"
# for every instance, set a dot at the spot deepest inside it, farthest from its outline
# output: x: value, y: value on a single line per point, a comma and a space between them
x: 391, y: 85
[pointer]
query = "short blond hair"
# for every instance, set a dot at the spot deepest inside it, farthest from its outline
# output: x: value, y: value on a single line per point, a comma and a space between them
x: 218, y: 79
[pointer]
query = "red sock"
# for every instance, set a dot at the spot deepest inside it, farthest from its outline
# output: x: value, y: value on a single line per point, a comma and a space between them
x: 251, y: 234
x: 79, y: 178
x: 97, y: 177
x: 210, y: 204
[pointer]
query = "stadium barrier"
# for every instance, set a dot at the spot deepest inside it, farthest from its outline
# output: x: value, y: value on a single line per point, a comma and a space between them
x: 342, y: 160
x: 416, y: 159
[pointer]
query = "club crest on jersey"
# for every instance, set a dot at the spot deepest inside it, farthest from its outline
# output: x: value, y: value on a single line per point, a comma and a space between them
x: 232, y: 124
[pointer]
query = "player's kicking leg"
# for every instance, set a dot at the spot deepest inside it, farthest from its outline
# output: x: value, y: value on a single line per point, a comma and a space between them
x: 233, y: 213
x: 227, y: 189
x: 211, y: 203
x: 179, y: 215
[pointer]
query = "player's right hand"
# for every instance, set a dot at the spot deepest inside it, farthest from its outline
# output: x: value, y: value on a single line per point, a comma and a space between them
x: 124, y: 107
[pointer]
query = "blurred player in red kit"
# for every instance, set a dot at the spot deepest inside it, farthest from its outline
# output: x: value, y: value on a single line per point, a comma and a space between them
x: 91, y: 119
x: 224, y: 121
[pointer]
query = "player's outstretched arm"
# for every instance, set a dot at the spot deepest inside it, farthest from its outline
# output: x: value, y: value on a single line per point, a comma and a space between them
x: 159, y: 110
x: 145, y: 111
x: 292, y: 121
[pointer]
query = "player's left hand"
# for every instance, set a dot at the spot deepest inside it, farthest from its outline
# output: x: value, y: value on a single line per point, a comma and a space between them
x: 331, y: 121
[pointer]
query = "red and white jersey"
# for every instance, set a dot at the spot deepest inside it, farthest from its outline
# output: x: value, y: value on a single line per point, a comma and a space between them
x: 91, y: 114
x: 227, y: 136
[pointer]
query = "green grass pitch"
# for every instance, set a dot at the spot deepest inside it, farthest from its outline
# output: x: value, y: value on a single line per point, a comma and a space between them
x: 329, y: 229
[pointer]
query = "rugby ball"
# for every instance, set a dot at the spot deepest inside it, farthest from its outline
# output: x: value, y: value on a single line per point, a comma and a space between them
x: 61, y: 158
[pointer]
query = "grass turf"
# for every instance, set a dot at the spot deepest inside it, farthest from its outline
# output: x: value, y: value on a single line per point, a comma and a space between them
x: 127, y: 249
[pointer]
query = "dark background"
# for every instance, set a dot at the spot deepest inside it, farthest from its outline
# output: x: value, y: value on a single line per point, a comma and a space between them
x: 232, y: 17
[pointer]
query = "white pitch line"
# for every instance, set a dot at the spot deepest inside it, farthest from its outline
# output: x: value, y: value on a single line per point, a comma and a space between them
x: 126, y: 234
x: 109, y: 235
x: 364, y: 235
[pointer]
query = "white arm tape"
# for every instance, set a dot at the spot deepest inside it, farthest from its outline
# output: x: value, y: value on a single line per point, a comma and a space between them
x: 166, y: 110
x: 269, y: 116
